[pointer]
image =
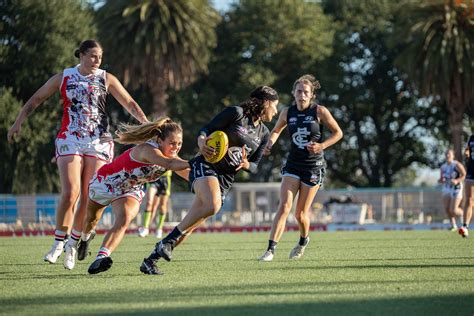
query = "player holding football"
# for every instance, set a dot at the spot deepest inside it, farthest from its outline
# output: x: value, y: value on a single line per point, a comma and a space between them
x: 84, y: 142
x: 303, y: 173
x: 247, y: 136
x: 468, y: 187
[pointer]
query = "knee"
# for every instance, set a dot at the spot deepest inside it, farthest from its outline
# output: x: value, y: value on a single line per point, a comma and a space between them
x: 69, y: 195
x: 212, y: 207
x: 301, y: 216
x: 284, y: 208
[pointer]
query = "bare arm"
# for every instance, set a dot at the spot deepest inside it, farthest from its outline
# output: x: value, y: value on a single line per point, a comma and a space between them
x: 276, y: 131
x: 125, y: 99
x: 462, y: 173
x: 336, y: 133
x: 43, y: 93
x: 183, y: 173
x: 150, y: 154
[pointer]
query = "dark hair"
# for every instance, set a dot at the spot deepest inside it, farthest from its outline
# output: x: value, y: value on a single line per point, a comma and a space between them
x: 254, y: 105
x: 309, y: 80
x: 85, y: 46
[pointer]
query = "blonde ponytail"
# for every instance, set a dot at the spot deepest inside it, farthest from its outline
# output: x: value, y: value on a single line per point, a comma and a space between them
x: 137, y: 134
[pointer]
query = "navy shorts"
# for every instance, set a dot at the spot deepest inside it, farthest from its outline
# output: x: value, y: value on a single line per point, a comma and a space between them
x: 162, y: 186
x: 200, y: 169
x: 310, y: 177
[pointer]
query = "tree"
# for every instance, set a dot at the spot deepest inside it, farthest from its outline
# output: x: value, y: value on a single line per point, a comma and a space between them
x: 438, y: 55
x: 159, y: 44
x: 383, y: 120
x: 260, y: 42
x: 38, y: 39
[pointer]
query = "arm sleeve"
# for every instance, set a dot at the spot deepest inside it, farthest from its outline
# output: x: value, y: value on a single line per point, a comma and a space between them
x: 255, y: 158
x: 222, y: 120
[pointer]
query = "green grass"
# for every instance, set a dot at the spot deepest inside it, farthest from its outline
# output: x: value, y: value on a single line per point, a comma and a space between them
x: 356, y: 273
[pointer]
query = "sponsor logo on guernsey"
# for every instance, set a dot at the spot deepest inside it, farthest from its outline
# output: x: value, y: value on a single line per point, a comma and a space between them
x: 308, y: 119
x: 63, y: 148
x: 292, y: 120
x: 300, y: 137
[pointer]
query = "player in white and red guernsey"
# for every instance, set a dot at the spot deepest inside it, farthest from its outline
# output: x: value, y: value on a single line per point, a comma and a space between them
x: 120, y: 182
x: 83, y: 143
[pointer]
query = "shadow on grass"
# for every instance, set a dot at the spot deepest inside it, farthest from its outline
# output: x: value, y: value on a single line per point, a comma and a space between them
x: 198, y: 301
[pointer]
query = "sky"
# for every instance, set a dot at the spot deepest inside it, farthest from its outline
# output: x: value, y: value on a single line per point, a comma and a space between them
x: 222, y: 5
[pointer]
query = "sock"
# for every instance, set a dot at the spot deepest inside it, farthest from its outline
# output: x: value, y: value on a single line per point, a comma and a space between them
x: 85, y: 237
x: 303, y: 241
x: 146, y: 219
x: 103, y: 252
x: 75, y: 235
x: 173, y: 236
x: 272, y: 245
x: 59, y: 236
x: 160, y: 221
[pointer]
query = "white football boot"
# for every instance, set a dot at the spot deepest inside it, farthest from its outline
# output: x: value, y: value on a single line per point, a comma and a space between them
x: 53, y: 255
x: 143, y: 232
x: 267, y: 256
x: 298, y: 251
x: 70, y: 257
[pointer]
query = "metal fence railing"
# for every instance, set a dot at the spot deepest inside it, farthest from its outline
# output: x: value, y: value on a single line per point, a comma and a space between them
x: 255, y: 204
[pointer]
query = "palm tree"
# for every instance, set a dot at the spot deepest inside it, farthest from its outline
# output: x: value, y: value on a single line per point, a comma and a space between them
x: 158, y: 44
x: 439, y: 56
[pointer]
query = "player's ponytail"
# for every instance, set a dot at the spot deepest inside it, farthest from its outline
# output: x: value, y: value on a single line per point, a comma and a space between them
x: 137, y: 134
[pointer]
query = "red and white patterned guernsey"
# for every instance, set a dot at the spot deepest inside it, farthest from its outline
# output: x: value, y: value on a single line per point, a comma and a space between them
x: 84, y: 116
x: 123, y: 176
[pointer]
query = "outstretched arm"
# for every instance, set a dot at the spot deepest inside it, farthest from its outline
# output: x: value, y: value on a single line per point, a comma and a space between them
x: 125, y: 99
x: 276, y: 131
x: 43, y: 93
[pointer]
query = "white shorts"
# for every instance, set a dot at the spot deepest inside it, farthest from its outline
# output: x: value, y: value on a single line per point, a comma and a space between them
x: 452, y: 192
x: 102, y: 150
x: 100, y: 193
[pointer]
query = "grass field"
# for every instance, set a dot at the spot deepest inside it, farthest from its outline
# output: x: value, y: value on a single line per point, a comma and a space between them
x: 356, y: 273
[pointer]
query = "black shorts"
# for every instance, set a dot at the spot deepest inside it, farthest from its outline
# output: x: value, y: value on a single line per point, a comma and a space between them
x: 162, y: 186
x: 310, y: 177
x: 200, y: 169
x: 470, y: 172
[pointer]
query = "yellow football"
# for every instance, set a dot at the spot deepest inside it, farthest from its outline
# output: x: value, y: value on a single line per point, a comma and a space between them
x: 219, y: 141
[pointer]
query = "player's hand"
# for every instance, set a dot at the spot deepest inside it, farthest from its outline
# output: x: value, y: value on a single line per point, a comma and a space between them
x: 268, y: 148
x: 13, y: 132
x: 205, y: 150
x: 314, y: 147
x: 244, y: 163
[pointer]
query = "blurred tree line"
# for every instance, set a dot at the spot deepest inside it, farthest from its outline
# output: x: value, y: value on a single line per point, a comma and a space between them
x: 397, y: 76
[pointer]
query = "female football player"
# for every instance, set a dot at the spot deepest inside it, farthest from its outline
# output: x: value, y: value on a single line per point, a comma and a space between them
x: 120, y: 182
x: 211, y: 182
x: 452, y: 174
x: 303, y: 173
x: 83, y: 143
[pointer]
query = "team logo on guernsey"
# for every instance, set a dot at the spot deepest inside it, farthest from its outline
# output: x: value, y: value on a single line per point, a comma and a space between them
x: 300, y: 137
x: 235, y: 154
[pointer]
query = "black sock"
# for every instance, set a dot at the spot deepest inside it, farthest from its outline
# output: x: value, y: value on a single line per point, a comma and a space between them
x: 272, y: 245
x: 303, y: 241
x: 173, y: 236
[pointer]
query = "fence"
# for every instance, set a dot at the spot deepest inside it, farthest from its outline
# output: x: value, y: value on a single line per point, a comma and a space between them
x: 254, y: 204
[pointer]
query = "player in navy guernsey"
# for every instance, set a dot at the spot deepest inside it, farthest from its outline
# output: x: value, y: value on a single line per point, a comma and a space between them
x: 83, y: 143
x: 468, y: 187
x: 303, y: 172
x: 248, y: 136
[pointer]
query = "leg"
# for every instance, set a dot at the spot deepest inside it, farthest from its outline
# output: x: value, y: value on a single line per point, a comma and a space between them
x: 447, y: 207
x: 125, y: 210
x: 69, y: 175
x: 162, y: 209
x: 207, y: 202
x: 303, y: 206
x: 94, y: 214
x: 148, y: 213
x: 288, y: 190
x: 468, y: 204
